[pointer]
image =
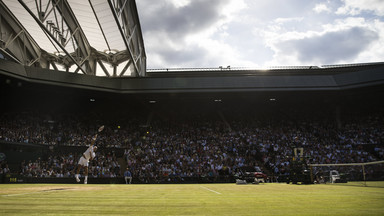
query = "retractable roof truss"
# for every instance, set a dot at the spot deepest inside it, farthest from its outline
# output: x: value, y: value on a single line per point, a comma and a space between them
x: 69, y: 46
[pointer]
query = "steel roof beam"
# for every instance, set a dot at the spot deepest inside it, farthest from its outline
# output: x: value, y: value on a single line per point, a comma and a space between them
x: 120, y: 9
x: 52, y: 37
x: 83, y: 47
x: 63, y: 30
x: 15, y: 41
x: 62, y: 40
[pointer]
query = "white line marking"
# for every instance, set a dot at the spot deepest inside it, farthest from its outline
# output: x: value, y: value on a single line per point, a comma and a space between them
x: 210, y: 190
x: 20, y: 194
x: 9, y: 195
x: 34, y: 192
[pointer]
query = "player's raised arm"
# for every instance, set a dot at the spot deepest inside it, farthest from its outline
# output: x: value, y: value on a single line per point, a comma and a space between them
x: 93, y: 140
x: 101, y: 128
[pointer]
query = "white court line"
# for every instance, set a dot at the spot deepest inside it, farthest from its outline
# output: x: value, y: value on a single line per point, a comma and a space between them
x: 34, y: 192
x: 210, y: 190
x: 21, y: 194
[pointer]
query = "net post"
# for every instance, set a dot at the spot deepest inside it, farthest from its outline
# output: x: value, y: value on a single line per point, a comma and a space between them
x: 365, y: 182
x: 311, y: 170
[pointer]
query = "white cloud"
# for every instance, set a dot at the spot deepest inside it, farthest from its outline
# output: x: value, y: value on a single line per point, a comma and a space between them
x: 287, y: 20
x: 319, y: 8
x: 246, y: 33
x: 180, y: 3
x: 341, y: 42
x: 183, y: 32
x: 355, y: 7
x: 375, y: 52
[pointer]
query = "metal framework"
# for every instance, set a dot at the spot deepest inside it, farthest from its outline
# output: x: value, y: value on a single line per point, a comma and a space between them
x: 94, y: 37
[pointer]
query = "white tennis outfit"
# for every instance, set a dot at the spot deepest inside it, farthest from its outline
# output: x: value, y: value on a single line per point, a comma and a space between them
x: 87, y: 155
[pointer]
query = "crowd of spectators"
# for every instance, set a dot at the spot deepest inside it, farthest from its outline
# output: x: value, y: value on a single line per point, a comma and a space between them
x: 65, y: 129
x: 4, y: 168
x: 64, y: 165
x: 182, y: 146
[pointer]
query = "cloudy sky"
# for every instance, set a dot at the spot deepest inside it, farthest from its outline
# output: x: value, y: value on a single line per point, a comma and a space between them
x: 261, y: 33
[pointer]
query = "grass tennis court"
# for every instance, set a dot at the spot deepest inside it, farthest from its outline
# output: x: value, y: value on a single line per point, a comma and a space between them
x: 191, y: 199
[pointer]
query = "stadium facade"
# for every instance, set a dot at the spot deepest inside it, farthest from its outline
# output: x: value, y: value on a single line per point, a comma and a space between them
x: 71, y: 44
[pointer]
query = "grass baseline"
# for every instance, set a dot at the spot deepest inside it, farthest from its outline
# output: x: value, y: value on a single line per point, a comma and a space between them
x: 191, y: 199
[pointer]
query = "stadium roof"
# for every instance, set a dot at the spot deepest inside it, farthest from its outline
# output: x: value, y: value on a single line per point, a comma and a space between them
x: 98, y: 37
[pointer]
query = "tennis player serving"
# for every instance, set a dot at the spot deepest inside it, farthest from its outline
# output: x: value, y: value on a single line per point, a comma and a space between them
x: 88, y: 155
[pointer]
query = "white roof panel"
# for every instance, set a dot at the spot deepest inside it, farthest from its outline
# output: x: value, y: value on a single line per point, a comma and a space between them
x: 30, y: 25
